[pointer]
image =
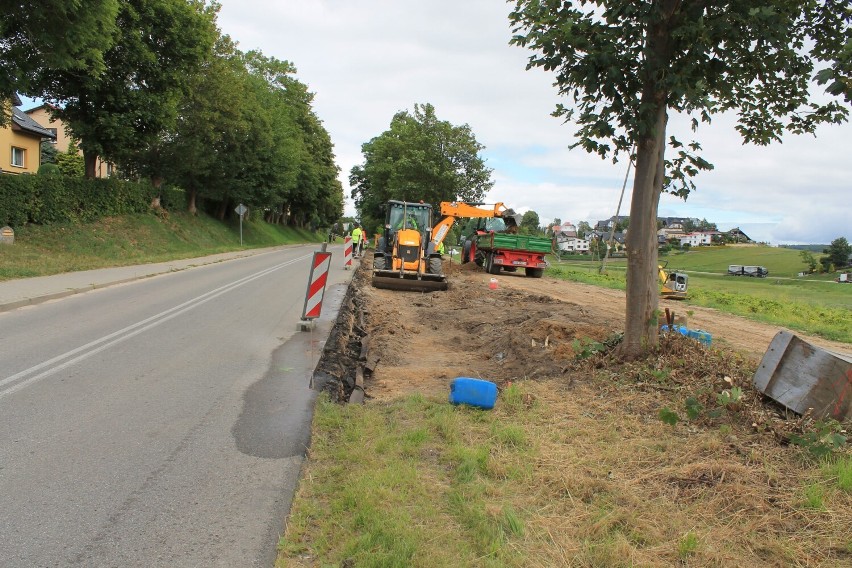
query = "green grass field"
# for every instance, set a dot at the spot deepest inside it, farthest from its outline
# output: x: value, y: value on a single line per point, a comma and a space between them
x: 133, y: 239
x: 779, y: 261
x: 813, y: 304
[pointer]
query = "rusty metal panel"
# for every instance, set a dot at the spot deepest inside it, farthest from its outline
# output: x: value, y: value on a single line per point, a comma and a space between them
x: 802, y: 376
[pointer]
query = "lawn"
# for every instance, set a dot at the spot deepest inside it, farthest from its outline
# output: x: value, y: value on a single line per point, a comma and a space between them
x: 814, y: 305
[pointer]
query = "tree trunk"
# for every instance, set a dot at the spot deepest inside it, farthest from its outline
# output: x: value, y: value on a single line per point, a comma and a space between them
x: 91, y: 161
x: 223, y: 209
x: 191, y: 198
x: 640, y: 328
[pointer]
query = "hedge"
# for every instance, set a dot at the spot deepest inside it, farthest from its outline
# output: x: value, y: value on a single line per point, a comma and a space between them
x: 46, y: 199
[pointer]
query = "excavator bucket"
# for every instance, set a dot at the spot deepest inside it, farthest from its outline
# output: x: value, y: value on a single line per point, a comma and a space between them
x: 394, y: 280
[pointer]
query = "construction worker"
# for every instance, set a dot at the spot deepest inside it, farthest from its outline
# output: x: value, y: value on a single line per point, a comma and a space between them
x: 441, y: 248
x: 407, y: 223
x: 362, y: 244
x: 356, y: 240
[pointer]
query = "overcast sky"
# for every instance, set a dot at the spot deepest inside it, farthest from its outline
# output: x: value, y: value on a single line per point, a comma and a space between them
x: 367, y: 59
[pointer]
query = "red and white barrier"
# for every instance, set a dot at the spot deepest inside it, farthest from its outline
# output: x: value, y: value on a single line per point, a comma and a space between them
x: 316, y: 286
x: 347, y: 252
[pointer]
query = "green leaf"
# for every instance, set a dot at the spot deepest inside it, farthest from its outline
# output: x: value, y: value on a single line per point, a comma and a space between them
x: 693, y: 408
x: 669, y: 416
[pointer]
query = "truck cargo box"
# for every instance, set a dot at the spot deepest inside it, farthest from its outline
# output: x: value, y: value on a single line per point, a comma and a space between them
x: 506, y: 241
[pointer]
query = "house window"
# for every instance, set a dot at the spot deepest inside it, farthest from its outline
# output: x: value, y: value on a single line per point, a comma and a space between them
x: 53, y: 131
x: 18, y: 155
x: 109, y: 170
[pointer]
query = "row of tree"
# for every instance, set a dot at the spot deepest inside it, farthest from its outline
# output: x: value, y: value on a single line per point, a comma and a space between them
x: 154, y: 87
x: 837, y: 255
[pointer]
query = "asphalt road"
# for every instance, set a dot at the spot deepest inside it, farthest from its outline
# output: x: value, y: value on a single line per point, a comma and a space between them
x: 161, y: 422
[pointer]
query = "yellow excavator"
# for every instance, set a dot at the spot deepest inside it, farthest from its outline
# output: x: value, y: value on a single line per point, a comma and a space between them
x: 674, y: 284
x: 407, y: 256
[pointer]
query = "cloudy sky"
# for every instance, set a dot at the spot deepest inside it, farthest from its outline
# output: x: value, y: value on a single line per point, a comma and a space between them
x: 367, y: 59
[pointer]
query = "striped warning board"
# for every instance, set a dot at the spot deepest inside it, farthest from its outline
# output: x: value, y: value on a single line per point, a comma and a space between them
x: 316, y: 285
x: 347, y: 252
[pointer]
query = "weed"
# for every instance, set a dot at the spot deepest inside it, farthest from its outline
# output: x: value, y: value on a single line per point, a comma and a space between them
x: 512, y: 398
x: 509, y: 434
x: 822, y: 440
x: 512, y: 522
x: 662, y: 374
x: 693, y: 408
x: 813, y: 497
x: 586, y: 348
x: 688, y: 545
x: 840, y: 472
x: 469, y: 462
x: 729, y: 396
x: 669, y: 416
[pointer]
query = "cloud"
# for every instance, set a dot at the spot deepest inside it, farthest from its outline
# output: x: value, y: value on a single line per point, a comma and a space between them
x: 368, y: 59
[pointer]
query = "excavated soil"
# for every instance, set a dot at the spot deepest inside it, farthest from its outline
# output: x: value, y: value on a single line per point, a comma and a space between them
x: 526, y: 328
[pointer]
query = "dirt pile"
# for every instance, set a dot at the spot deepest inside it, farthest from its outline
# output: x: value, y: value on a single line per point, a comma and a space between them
x: 529, y: 328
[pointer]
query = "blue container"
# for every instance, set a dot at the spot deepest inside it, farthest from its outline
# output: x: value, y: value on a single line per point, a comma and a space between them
x: 703, y: 336
x: 475, y: 392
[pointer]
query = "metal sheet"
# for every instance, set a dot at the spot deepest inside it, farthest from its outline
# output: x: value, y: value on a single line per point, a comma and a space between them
x: 802, y: 376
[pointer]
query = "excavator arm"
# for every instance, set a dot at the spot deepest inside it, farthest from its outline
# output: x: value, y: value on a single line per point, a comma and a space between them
x: 452, y: 210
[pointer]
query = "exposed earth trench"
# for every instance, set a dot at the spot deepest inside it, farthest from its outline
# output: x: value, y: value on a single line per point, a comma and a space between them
x: 388, y: 343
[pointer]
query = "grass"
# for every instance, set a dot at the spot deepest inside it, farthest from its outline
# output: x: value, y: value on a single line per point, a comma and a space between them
x: 552, y: 477
x: 388, y: 481
x: 811, y: 305
x: 133, y: 239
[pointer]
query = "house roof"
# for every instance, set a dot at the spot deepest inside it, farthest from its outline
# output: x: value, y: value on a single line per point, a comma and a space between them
x: 16, y: 100
x: 39, y: 107
x: 26, y: 123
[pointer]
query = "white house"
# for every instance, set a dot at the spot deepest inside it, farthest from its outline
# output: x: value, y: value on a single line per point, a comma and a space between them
x: 573, y: 245
x: 695, y: 239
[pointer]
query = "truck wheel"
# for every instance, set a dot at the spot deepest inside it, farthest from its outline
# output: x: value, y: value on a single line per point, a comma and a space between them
x: 434, y: 265
x: 379, y: 262
x: 534, y: 272
x: 490, y: 267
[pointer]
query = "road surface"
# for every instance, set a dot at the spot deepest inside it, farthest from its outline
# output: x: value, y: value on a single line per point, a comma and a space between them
x: 161, y: 422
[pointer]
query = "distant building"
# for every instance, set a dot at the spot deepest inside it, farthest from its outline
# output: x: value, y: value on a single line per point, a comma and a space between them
x: 737, y: 236
x: 20, y: 140
x: 696, y: 239
x: 573, y: 244
x: 62, y: 138
x: 566, y: 229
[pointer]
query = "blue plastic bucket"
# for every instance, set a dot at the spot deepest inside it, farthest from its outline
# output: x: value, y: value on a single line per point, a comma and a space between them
x: 475, y: 392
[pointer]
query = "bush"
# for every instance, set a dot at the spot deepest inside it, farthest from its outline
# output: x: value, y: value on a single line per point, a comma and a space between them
x: 49, y: 169
x: 45, y: 199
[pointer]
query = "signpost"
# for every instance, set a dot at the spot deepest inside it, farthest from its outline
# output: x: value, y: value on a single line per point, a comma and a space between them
x: 316, y: 288
x: 241, y: 210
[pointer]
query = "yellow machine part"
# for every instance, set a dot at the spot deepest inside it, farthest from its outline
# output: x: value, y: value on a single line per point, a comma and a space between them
x: 674, y: 284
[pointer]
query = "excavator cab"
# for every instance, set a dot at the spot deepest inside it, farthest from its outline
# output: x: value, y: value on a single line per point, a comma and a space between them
x: 674, y: 284
x: 404, y: 259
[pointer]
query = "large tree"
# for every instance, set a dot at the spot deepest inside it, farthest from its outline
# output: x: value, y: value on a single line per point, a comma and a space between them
x: 530, y: 223
x: 838, y: 252
x: 624, y: 64
x: 55, y: 34
x: 419, y: 158
x: 157, y: 46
